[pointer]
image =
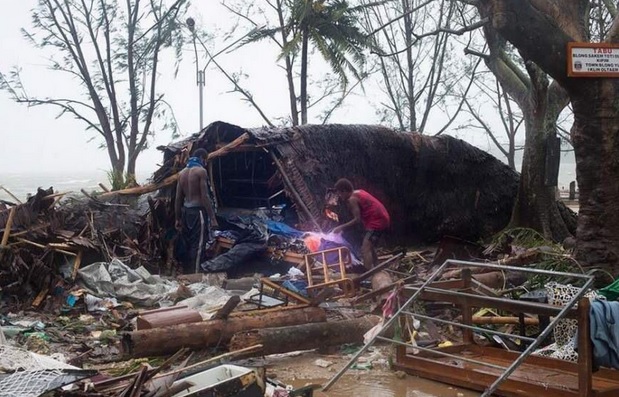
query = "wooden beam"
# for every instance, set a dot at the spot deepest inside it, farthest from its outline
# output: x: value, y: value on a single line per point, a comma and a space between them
x: 144, y: 189
x: 7, y: 228
x: 294, y: 192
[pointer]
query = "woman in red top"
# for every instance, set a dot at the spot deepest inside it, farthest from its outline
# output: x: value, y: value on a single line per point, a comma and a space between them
x: 368, y: 211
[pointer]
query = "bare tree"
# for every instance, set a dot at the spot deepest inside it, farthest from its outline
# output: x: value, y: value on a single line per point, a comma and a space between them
x: 413, y: 41
x: 112, y: 52
x: 503, y: 137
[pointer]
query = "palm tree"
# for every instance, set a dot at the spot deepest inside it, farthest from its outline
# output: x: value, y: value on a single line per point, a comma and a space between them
x: 331, y: 27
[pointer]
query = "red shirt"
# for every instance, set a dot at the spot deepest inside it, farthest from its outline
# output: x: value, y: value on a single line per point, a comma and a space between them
x: 374, y: 215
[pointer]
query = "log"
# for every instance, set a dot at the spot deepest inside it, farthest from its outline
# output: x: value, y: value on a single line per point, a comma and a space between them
x: 380, y: 281
x: 166, y: 317
x: 167, y: 340
x: 306, y: 336
x: 484, y: 320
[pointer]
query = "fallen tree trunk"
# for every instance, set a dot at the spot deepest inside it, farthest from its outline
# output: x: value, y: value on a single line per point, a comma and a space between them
x: 306, y: 336
x: 167, y: 340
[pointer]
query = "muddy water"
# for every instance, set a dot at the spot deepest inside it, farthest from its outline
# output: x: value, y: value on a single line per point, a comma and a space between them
x: 302, y: 370
x: 386, y: 385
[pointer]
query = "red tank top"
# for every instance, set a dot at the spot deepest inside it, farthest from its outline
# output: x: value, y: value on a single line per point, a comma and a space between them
x: 374, y: 215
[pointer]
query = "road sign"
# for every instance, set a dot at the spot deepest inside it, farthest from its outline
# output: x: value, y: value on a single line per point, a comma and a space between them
x: 592, y: 60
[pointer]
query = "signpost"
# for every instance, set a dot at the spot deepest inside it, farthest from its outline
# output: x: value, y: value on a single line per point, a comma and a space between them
x: 592, y: 60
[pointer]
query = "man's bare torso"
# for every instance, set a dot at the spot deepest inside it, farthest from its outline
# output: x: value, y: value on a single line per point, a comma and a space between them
x: 193, y: 183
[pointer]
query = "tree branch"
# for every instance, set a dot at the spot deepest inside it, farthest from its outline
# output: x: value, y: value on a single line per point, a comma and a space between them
x: 537, y: 37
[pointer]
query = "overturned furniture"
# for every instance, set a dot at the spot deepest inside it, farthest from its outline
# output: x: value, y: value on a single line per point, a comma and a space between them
x: 493, y: 370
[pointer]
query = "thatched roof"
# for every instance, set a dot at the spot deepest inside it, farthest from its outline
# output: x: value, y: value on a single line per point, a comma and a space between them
x: 432, y: 186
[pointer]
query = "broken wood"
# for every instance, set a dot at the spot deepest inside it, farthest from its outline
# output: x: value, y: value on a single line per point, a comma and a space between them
x: 7, y: 191
x: 380, y: 281
x: 160, y: 341
x: 305, y: 336
x: 297, y: 197
x: 139, y: 190
x: 168, y: 316
x: 225, y: 311
x: 378, y: 268
x: 494, y: 280
x: 503, y: 320
x: 7, y: 228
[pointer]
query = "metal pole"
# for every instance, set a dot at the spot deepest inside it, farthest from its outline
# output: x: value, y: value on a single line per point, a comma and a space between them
x: 388, y: 324
x: 201, y: 93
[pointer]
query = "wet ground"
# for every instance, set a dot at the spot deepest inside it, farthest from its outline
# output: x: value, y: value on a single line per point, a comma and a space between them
x: 379, y: 381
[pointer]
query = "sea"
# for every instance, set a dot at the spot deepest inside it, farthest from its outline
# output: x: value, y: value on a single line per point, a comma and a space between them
x: 22, y: 184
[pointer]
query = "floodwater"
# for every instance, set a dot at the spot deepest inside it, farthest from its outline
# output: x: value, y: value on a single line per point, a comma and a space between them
x: 386, y: 385
x: 302, y: 370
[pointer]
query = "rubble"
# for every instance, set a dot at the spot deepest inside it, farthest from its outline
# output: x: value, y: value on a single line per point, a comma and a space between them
x: 94, y: 277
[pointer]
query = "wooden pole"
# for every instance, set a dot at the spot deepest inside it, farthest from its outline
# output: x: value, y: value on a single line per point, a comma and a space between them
x: 305, y: 336
x: 167, y: 340
x: 7, y: 228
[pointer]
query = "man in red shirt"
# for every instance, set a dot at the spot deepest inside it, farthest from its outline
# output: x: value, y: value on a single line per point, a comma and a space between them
x: 368, y: 211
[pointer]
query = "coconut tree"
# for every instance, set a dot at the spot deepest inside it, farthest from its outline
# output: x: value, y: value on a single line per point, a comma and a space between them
x: 330, y: 26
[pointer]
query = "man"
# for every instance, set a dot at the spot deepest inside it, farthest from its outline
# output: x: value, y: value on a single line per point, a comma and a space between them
x: 368, y: 211
x: 194, y: 211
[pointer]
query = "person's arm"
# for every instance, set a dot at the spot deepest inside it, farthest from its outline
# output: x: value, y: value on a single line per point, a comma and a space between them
x: 178, y: 203
x: 353, y: 205
x: 206, y: 200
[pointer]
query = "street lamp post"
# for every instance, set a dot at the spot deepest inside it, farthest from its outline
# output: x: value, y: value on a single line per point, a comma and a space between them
x: 201, y: 73
x: 200, y: 80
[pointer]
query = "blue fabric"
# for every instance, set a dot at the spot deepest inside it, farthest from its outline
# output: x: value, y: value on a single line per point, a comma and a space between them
x: 604, y: 316
x: 194, y: 162
x: 297, y: 286
x: 283, y: 229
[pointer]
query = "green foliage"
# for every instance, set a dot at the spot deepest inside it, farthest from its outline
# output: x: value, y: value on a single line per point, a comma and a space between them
x: 552, y: 255
x: 332, y: 29
x: 120, y: 181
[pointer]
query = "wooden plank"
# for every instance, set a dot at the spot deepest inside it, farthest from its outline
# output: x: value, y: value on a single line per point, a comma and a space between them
x: 7, y: 228
x: 467, y: 310
x: 378, y: 268
x: 266, y: 281
x: 585, y: 359
x: 545, y: 371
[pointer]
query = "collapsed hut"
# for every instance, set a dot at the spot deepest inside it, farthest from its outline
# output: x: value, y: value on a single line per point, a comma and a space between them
x: 432, y: 186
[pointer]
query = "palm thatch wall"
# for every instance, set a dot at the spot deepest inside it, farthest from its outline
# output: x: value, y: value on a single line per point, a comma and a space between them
x: 432, y: 186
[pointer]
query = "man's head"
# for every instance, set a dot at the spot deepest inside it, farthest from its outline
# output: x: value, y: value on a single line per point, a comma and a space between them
x: 343, y: 187
x: 201, y: 153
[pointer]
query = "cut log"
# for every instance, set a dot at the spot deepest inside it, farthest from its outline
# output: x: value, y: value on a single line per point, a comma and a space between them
x: 167, y: 340
x: 167, y: 316
x: 306, y: 336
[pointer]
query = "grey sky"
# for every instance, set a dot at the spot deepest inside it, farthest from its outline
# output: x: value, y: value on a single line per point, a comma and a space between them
x: 35, y: 141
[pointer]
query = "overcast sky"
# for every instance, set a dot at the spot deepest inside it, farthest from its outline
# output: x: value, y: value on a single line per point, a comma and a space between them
x: 33, y: 140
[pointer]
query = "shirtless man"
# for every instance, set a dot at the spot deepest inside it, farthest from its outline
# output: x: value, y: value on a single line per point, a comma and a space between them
x: 368, y: 211
x: 194, y: 211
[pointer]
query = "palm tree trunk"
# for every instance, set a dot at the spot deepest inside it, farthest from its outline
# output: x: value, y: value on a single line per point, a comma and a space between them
x: 305, y: 44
